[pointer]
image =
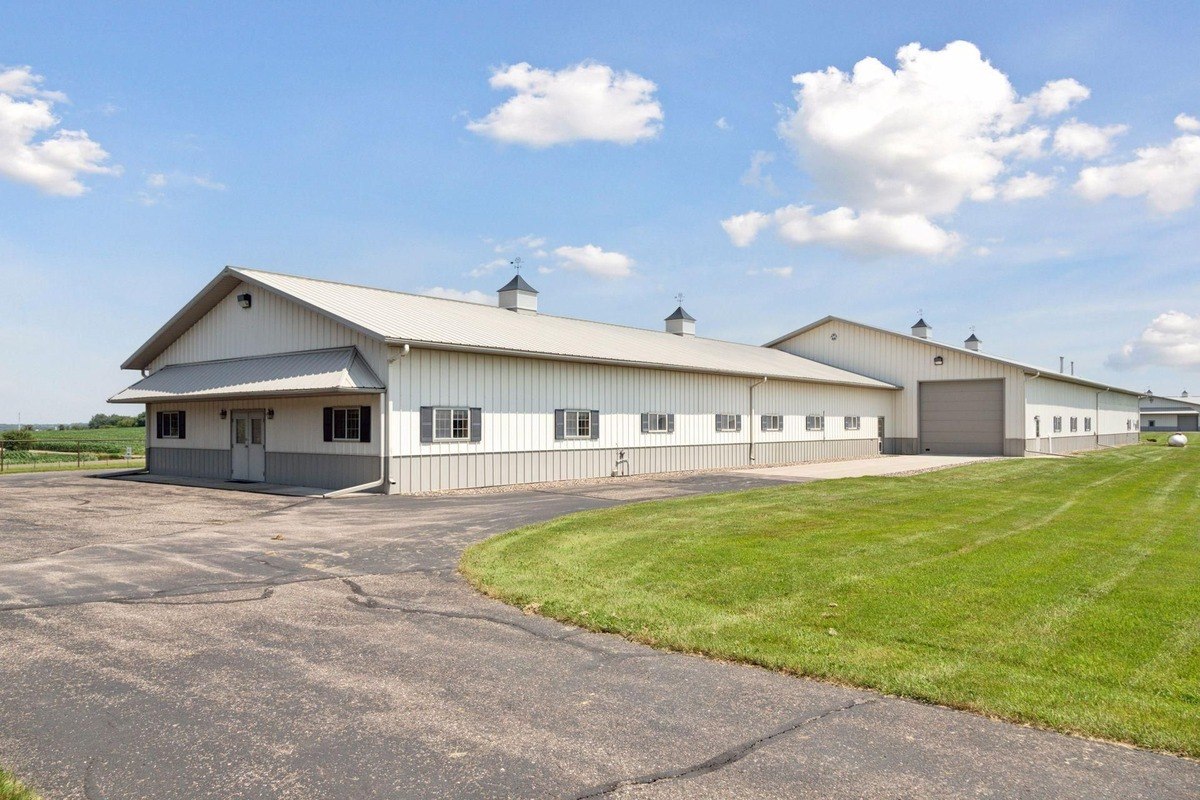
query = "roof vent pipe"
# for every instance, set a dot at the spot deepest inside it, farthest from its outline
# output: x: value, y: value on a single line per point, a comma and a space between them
x: 972, y: 343
x: 921, y: 330
x: 681, y: 323
x: 517, y: 295
x: 1062, y: 364
x: 1072, y: 367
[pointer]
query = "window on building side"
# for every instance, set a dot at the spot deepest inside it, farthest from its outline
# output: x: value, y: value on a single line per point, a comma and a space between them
x: 1058, y: 424
x: 346, y: 422
x: 170, y: 424
x: 577, y: 424
x: 451, y: 424
x: 729, y: 423
x: 852, y: 423
x: 814, y: 422
x: 1087, y: 423
x: 772, y: 423
x: 656, y: 423
x: 1074, y: 424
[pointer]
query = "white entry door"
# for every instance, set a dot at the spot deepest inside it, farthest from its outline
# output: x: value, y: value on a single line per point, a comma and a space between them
x: 249, y: 445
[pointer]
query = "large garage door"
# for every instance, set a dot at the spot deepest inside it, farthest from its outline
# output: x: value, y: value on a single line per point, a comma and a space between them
x: 962, y: 418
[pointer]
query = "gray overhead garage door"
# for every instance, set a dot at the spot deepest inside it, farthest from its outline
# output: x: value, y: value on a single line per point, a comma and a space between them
x: 962, y: 418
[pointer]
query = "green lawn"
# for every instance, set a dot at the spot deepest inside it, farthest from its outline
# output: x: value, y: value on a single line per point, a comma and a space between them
x: 13, y: 789
x: 1059, y: 592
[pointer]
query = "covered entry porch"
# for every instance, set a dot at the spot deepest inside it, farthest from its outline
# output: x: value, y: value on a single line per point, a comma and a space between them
x: 310, y: 419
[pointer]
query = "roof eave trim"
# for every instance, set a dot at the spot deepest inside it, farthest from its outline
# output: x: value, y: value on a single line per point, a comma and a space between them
x: 199, y: 398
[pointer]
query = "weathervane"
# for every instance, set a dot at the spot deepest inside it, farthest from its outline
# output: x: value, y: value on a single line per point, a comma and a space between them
x: 516, y: 262
x: 679, y: 299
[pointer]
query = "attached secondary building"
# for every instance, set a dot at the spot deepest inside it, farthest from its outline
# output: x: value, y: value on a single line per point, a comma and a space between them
x: 284, y: 379
x: 1181, y: 413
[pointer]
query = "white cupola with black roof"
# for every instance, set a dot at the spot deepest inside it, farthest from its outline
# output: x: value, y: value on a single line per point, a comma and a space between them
x: 921, y: 329
x: 517, y: 295
x: 972, y: 342
x: 681, y: 323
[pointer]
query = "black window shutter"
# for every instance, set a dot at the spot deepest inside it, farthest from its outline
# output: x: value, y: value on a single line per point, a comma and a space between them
x: 595, y: 424
x: 737, y: 424
x: 560, y: 424
x: 762, y: 422
x: 364, y: 424
x: 719, y: 421
x: 426, y: 424
x: 182, y: 424
x: 157, y: 424
x: 328, y: 423
x: 476, y: 424
x: 670, y: 423
x: 645, y: 422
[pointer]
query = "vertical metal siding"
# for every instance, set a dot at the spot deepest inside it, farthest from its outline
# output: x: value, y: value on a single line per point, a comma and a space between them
x: 1047, y: 398
x: 518, y: 397
x: 272, y: 324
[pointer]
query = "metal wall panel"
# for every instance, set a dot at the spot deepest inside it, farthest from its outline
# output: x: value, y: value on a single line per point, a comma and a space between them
x: 427, y: 473
x: 191, y: 462
x: 1062, y: 445
x: 906, y: 362
x: 1112, y: 413
x: 271, y: 325
x: 321, y: 470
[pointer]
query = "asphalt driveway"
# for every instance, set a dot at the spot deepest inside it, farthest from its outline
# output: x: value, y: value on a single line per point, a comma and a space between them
x: 176, y: 642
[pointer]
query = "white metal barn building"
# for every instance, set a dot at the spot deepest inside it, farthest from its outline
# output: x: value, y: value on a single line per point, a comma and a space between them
x: 1180, y: 413
x: 276, y: 378
x: 960, y: 400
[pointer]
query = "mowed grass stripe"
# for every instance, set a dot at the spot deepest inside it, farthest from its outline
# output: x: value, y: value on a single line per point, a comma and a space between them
x: 1056, y: 592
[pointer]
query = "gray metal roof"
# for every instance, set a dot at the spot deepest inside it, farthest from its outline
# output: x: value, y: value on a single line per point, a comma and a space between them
x: 1028, y: 368
x: 518, y: 283
x: 309, y: 372
x: 679, y: 313
x: 399, y: 318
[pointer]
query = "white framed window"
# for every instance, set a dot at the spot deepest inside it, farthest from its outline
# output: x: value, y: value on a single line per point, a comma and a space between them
x: 729, y: 423
x: 1087, y: 423
x: 1058, y: 424
x: 852, y: 423
x: 347, y: 424
x: 577, y: 424
x: 772, y: 423
x: 1074, y: 424
x: 814, y: 422
x: 170, y: 425
x: 451, y: 424
x: 657, y: 423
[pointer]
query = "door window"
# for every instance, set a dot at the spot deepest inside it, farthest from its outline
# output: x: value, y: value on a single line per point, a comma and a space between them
x: 239, y: 430
x: 256, y: 431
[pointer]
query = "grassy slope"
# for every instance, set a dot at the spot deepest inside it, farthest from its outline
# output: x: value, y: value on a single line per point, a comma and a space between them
x: 1057, y: 592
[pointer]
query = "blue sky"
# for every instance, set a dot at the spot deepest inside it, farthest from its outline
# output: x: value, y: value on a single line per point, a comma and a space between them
x: 379, y: 146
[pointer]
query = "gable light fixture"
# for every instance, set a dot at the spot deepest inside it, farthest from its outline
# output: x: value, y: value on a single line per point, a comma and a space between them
x: 938, y: 361
x: 244, y: 300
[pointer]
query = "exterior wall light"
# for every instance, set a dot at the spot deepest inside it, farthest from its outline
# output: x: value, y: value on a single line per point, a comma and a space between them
x: 938, y: 361
x: 244, y: 300
x: 270, y: 413
x: 224, y: 413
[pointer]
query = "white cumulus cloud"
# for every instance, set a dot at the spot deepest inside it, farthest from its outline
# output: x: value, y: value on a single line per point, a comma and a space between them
x: 594, y: 261
x: 1168, y: 177
x: 722, y: 124
x: 753, y: 176
x: 1075, y: 139
x: 1170, y: 340
x: 472, y: 296
x: 585, y: 102
x: 33, y: 148
x: 896, y: 149
x: 1187, y: 123
x: 1024, y: 187
x: 778, y: 272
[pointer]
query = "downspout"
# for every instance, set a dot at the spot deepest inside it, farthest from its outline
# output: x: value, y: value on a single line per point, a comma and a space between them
x: 385, y: 441
x: 1096, y: 424
x: 1036, y: 375
x: 750, y: 421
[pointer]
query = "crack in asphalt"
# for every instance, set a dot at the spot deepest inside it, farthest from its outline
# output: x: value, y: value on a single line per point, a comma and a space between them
x: 720, y: 760
x: 266, y: 595
x: 364, y: 599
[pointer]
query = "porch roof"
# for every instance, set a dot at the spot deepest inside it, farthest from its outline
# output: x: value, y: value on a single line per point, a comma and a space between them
x: 309, y: 372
